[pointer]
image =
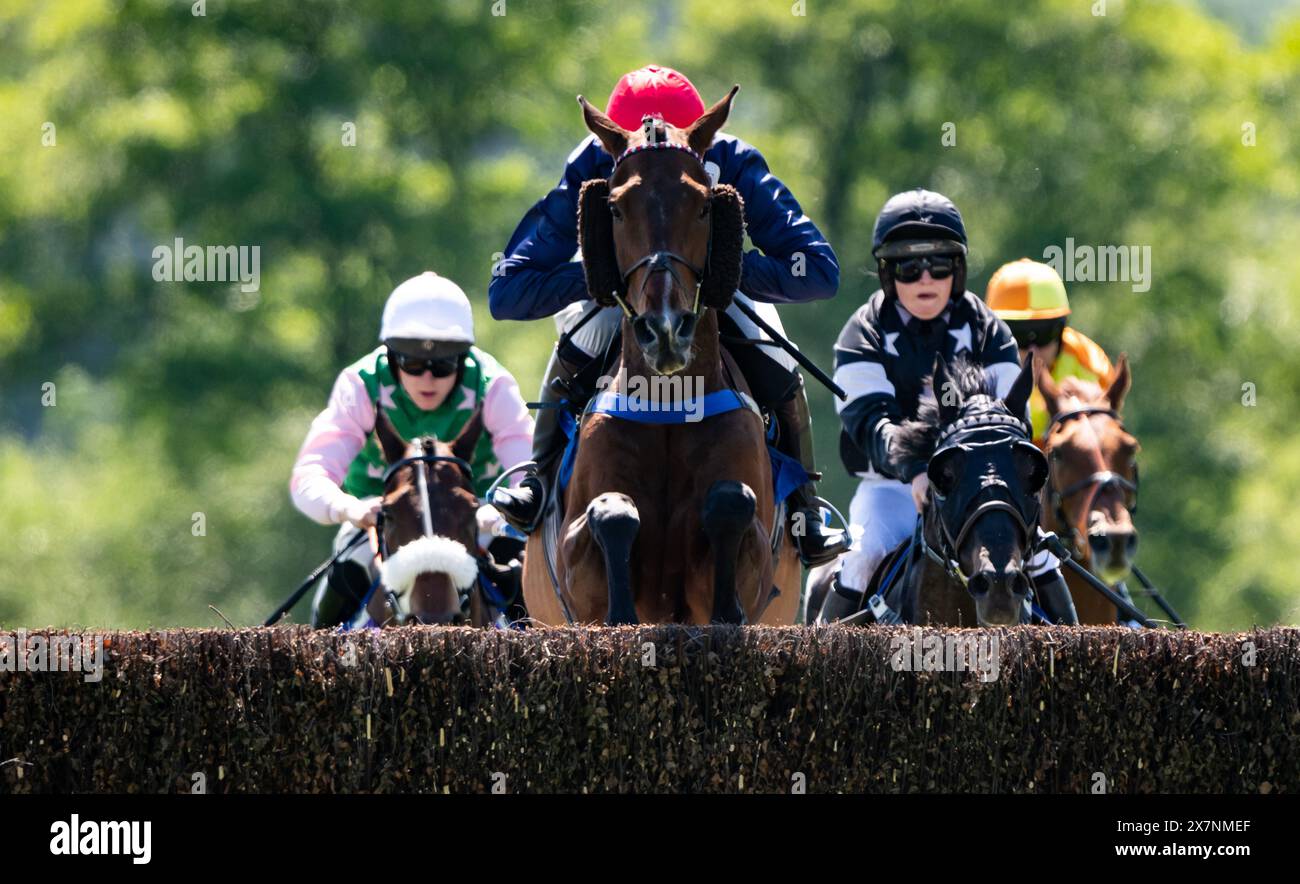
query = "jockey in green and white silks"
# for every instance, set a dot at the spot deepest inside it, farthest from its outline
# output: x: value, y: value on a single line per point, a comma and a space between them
x: 480, y: 369
x: 429, y: 378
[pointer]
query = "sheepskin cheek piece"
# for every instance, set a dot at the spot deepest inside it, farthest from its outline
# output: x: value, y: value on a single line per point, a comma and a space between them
x: 429, y: 555
x: 596, y: 240
x: 600, y: 264
x: 727, y: 249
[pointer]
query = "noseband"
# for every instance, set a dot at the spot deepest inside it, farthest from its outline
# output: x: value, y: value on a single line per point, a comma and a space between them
x: 1101, y: 480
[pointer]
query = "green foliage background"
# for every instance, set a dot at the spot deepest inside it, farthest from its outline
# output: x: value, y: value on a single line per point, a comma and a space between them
x: 181, y: 398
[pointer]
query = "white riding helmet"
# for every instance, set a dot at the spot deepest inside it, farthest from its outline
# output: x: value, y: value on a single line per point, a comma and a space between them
x: 428, y: 307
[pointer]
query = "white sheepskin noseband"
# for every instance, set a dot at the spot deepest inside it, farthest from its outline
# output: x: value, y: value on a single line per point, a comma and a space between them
x: 429, y: 555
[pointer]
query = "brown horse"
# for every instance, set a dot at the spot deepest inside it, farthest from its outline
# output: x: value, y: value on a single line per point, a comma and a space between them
x: 429, y: 530
x: 1091, y: 489
x: 665, y: 522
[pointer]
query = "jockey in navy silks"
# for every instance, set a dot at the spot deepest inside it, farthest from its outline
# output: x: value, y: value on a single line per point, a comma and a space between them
x: 792, y: 263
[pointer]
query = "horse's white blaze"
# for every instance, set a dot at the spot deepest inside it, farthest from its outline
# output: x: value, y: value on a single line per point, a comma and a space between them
x: 429, y: 555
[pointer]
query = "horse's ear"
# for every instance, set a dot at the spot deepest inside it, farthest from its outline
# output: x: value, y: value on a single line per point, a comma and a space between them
x: 1047, y: 386
x: 466, y: 440
x: 1017, y: 398
x: 945, y: 392
x: 699, y: 135
x: 596, y: 242
x: 391, y: 442
x: 1119, y: 387
x: 726, y: 247
x: 612, y: 136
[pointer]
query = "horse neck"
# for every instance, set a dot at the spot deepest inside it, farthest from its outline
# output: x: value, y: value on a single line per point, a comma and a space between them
x: 706, y: 354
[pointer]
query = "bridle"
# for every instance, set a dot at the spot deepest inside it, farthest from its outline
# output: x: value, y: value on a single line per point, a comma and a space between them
x: 1099, y: 480
x: 663, y: 259
x: 421, y: 463
x: 1014, y: 433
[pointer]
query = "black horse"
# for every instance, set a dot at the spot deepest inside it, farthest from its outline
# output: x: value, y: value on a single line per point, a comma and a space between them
x: 967, y: 563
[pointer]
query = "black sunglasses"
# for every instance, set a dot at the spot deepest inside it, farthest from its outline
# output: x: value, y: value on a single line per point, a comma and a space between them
x: 910, y: 269
x: 442, y: 366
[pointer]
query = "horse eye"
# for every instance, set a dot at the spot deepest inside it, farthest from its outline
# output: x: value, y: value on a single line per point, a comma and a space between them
x: 613, y: 210
x: 704, y: 212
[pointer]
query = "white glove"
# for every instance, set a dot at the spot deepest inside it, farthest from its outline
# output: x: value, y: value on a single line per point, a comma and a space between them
x: 490, y: 524
x: 362, y: 513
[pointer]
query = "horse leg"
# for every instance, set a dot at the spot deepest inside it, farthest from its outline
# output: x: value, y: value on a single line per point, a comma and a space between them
x: 613, y: 521
x: 727, y: 513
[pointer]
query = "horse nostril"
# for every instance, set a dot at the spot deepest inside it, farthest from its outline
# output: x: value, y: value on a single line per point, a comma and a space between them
x: 979, y: 584
x: 641, y: 328
x: 686, y: 326
x: 1131, y: 544
x: 1023, y: 585
x: 1100, y: 543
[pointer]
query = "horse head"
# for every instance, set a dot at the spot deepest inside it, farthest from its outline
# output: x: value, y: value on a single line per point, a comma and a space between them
x: 658, y: 237
x: 981, y: 516
x: 1092, y: 488
x: 429, y: 527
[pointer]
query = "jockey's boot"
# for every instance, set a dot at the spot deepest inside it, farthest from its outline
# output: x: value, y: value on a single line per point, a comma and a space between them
x: 840, y: 602
x: 522, y: 506
x: 816, y: 543
x: 340, y: 595
x: 1054, y: 597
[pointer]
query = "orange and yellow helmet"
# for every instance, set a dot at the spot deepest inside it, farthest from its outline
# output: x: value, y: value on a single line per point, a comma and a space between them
x: 1027, y: 290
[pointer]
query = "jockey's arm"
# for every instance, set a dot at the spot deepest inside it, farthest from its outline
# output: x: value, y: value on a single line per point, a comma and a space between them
x: 507, y: 421
x: 336, y: 436
x: 870, y: 414
x: 793, y: 262
x: 538, y: 276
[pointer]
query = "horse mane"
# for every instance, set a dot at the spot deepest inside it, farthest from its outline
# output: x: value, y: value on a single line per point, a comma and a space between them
x: 917, y: 438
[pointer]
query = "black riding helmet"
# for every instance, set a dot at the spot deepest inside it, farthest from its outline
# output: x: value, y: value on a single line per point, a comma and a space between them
x: 918, y: 223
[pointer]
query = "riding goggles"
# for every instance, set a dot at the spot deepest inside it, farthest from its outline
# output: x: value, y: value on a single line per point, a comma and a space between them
x: 910, y: 269
x: 441, y: 366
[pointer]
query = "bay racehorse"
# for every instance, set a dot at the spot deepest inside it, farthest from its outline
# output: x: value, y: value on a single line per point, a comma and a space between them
x: 428, y: 531
x: 1091, y: 491
x: 665, y: 519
